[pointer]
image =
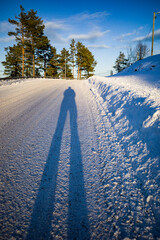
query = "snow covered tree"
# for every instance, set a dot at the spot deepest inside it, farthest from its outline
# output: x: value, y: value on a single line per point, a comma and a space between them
x: 20, y: 32
x: 121, y: 62
x: 13, y: 63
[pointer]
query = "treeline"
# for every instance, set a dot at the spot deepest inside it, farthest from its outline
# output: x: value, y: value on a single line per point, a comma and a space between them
x: 136, y: 54
x: 33, y: 55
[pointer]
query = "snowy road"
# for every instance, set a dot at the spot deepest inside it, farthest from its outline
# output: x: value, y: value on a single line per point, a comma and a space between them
x: 65, y: 173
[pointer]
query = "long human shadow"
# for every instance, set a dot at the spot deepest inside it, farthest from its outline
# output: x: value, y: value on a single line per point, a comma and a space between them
x: 42, y: 215
x: 78, y: 225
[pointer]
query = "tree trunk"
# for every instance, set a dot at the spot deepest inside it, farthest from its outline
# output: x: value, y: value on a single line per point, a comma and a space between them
x: 78, y: 72
x: 33, y: 65
x: 33, y: 58
x: 44, y: 67
x: 22, y: 54
x: 23, y: 61
x: 45, y: 73
x: 73, y: 71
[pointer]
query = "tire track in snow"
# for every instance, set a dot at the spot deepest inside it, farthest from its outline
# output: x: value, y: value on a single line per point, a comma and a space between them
x: 96, y: 201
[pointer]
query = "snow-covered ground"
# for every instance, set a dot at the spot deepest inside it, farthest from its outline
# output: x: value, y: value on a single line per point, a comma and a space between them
x: 80, y: 159
x: 129, y: 103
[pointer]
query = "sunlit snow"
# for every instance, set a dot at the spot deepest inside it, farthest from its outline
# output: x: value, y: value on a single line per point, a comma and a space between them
x: 80, y: 159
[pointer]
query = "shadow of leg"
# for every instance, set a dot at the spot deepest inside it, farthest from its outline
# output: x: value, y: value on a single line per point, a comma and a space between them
x: 40, y: 225
x: 78, y: 225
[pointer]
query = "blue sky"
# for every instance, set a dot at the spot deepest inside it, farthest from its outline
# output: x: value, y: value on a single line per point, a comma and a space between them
x: 105, y: 27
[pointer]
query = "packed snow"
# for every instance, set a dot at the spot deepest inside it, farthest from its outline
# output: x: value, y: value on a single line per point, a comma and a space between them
x: 80, y: 159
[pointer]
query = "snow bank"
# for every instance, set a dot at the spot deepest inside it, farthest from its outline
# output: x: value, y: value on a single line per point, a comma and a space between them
x: 133, y: 105
x: 8, y: 82
x: 131, y: 102
x: 134, y: 97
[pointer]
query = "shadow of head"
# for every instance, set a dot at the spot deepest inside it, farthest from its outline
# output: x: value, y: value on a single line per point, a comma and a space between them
x: 69, y: 93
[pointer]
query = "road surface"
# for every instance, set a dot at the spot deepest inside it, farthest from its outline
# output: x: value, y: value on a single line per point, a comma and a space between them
x: 63, y: 169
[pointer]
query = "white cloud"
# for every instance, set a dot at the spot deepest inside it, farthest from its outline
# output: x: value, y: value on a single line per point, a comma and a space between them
x: 103, y: 46
x: 55, y: 31
x: 6, y: 27
x: 124, y: 35
x: 121, y: 37
x: 63, y: 30
x: 87, y: 16
x: 55, y: 25
x: 149, y: 37
x: 89, y: 36
x: 56, y: 38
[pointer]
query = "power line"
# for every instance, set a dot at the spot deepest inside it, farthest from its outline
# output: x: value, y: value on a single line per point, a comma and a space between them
x: 148, y: 33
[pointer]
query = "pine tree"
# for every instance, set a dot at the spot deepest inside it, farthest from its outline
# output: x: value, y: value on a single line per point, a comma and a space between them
x: 28, y: 65
x: 85, y: 61
x: 37, y: 54
x: 121, y: 62
x: 20, y: 32
x: 89, y: 62
x: 35, y: 31
x: 53, y: 65
x: 72, y: 55
x: 44, y: 53
x: 13, y: 61
x: 64, y: 65
x: 79, y: 59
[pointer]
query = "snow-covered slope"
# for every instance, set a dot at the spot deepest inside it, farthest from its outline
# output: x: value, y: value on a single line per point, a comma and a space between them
x: 149, y: 64
x: 131, y: 101
x: 133, y: 97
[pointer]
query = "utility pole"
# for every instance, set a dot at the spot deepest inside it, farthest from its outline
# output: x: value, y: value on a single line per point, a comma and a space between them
x: 154, y: 17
